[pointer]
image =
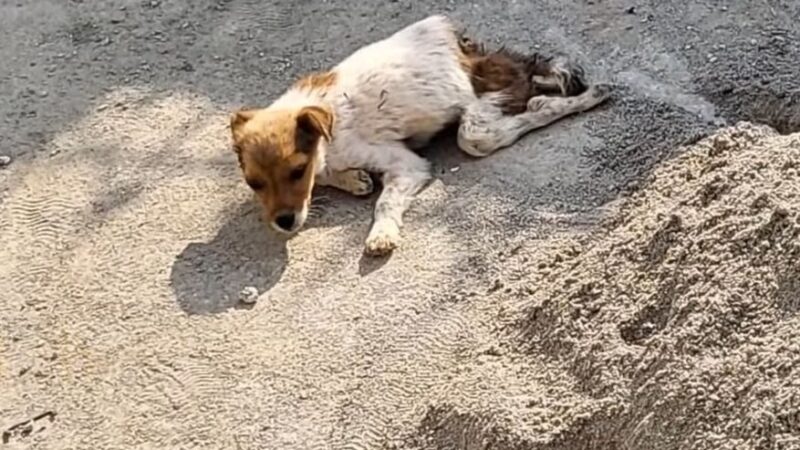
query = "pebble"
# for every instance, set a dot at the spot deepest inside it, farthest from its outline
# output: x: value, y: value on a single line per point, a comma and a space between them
x: 248, y: 295
x: 5, y: 160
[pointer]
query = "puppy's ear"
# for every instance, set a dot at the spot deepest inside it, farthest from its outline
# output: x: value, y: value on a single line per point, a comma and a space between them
x: 238, y: 120
x: 313, y: 122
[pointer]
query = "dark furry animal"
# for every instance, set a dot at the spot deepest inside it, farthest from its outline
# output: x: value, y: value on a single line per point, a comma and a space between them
x: 520, y: 76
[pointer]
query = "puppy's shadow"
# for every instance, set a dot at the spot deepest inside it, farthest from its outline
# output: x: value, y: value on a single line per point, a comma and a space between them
x: 207, y: 277
x: 368, y: 264
x: 443, y: 153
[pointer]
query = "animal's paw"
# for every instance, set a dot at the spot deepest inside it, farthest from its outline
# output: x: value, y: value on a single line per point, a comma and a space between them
x: 600, y: 92
x: 383, y: 238
x: 359, y: 182
x: 538, y: 102
x: 594, y: 96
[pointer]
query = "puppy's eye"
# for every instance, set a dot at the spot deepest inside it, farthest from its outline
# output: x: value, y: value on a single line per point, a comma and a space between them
x: 255, y: 185
x: 297, y: 174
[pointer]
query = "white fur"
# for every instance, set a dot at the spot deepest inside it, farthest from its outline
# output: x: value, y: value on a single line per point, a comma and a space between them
x: 408, y: 86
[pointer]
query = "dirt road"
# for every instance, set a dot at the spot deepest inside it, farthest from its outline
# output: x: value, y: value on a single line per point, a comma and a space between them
x: 126, y: 236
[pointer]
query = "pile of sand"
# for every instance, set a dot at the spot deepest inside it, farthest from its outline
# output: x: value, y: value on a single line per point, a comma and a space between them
x: 680, y: 317
x: 673, y: 327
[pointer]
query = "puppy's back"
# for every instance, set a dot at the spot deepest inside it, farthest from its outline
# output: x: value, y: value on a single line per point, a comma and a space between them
x: 408, y: 83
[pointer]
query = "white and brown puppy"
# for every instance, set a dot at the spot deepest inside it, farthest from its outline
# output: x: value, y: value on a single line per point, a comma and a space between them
x: 369, y: 112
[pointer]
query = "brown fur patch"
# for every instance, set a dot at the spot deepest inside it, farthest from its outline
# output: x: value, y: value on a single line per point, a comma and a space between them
x: 508, y: 71
x: 277, y: 150
x: 318, y: 81
x: 314, y: 122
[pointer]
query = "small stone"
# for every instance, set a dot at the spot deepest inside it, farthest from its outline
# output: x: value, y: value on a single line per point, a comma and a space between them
x: 5, y: 160
x: 492, y: 351
x: 496, y: 286
x: 25, y: 369
x: 248, y: 295
x: 455, y: 169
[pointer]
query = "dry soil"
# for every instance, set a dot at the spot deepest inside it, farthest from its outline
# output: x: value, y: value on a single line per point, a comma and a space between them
x: 606, y: 283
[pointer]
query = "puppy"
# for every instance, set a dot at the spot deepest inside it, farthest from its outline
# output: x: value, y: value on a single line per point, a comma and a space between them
x: 370, y: 111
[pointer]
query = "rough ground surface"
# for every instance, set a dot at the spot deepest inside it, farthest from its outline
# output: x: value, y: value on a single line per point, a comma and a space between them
x: 594, y: 286
x: 676, y: 321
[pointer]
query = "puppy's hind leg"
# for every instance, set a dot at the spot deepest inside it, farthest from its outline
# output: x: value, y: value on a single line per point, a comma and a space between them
x: 484, y: 128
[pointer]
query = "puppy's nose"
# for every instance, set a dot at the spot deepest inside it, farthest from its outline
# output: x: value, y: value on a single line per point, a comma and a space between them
x: 285, y: 221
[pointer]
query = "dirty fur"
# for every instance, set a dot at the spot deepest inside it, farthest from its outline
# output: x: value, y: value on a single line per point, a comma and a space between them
x: 391, y: 95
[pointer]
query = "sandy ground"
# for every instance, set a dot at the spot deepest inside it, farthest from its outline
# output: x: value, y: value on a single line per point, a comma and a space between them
x: 609, y: 282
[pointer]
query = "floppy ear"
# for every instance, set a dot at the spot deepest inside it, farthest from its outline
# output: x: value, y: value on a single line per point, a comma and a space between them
x: 313, y: 122
x: 238, y: 119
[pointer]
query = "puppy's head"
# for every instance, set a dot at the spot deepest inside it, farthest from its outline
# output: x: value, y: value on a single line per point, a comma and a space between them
x: 278, y: 152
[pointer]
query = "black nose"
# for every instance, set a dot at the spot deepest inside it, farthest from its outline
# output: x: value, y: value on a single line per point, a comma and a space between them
x: 285, y: 221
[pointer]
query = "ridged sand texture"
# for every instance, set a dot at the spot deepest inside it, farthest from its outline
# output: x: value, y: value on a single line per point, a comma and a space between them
x: 674, y: 325
x: 127, y: 235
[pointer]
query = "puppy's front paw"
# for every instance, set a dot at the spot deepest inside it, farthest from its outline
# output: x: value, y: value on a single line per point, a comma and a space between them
x: 361, y: 183
x: 600, y: 92
x: 383, y: 238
